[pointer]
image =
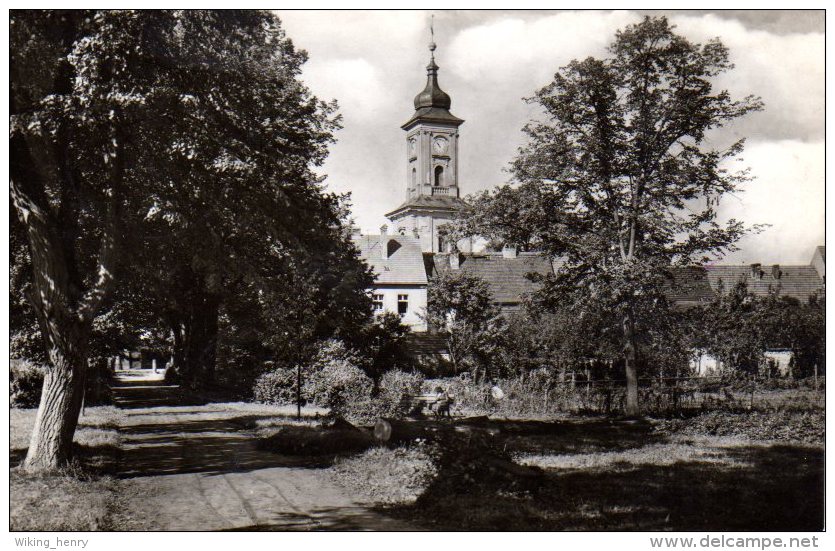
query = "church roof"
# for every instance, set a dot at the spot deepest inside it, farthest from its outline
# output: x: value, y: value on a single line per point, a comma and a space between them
x: 430, y: 202
x: 432, y: 114
x: 404, y: 265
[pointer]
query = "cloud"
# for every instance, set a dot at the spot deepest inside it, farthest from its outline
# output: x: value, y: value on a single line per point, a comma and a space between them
x: 356, y: 83
x: 515, y: 51
x: 787, y: 71
x: 373, y: 63
x: 787, y: 192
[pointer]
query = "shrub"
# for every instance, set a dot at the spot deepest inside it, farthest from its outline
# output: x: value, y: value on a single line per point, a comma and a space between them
x: 394, y: 386
x: 276, y: 387
x: 25, y: 384
x: 387, y: 476
x: 339, y: 386
x: 808, y: 426
x: 336, y: 381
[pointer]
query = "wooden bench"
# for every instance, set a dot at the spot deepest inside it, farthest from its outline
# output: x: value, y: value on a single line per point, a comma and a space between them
x: 439, y: 404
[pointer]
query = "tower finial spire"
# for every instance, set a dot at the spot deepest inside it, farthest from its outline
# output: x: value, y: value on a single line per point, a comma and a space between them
x: 432, y: 45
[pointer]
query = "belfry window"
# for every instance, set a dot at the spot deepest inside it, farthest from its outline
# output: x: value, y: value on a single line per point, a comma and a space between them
x: 414, y: 177
x: 439, y: 176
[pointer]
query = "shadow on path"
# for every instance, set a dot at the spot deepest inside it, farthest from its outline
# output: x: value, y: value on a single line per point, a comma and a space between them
x: 188, y: 465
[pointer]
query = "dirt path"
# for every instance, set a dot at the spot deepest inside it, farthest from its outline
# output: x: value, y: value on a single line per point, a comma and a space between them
x: 196, y: 467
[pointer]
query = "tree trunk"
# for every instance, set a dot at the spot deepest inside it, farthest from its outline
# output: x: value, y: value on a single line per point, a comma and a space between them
x: 63, y: 391
x: 200, y: 341
x: 631, y: 364
x: 64, y: 310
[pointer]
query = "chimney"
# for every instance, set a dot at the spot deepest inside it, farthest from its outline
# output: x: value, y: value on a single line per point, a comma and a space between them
x: 509, y: 251
x: 755, y: 271
x: 776, y: 272
x: 454, y: 260
x: 384, y: 242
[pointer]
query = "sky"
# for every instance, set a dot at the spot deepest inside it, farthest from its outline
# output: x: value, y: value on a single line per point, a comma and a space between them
x: 373, y: 63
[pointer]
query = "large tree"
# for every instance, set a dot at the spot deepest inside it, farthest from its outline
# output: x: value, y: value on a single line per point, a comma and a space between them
x: 626, y: 180
x: 460, y: 306
x: 189, y: 127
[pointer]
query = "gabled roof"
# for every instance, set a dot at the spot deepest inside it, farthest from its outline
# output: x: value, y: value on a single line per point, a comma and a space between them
x: 403, y: 266
x: 688, y: 286
x: 799, y: 282
x: 507, y: 277
x: 430, y: 202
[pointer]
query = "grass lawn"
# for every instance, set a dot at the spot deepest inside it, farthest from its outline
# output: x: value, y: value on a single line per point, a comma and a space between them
x: 604, y: 474
x: 717, y: 470
x: 81, y: 497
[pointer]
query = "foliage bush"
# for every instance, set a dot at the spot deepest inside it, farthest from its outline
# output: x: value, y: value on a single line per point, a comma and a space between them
x: 341, y: 386
x: 25, y: 383
x: 276, y: 387
x: 544, y: 393
x: 394, y: 386
x: 806, y: 426
x: 387, y: 476
x: 538, y: 393
x: 336, y: 381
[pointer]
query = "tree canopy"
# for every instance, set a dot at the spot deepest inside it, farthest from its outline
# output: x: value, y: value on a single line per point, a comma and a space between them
x: 620, y: 179
x: 168, y: 156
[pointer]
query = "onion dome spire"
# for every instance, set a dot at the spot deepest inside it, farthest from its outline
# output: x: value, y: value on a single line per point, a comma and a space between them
x: 432, y: 103
x: 432, y: 95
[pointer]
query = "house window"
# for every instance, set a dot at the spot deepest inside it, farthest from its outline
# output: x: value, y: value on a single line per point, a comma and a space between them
x: 402, y: 304
x: 377, y: 301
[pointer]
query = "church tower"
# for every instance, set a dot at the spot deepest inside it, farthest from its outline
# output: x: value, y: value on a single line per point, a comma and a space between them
x: 432, y: 193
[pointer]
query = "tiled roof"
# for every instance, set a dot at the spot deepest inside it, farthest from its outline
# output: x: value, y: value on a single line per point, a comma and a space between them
x: 404, y: 265
x: 689, y: 285
x: 799, y: 282
x: 506, y: 276
x: 420, y: 344
x: 435, y: 202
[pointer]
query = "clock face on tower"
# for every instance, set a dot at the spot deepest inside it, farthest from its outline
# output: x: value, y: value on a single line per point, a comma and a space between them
x: 440, y: 145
